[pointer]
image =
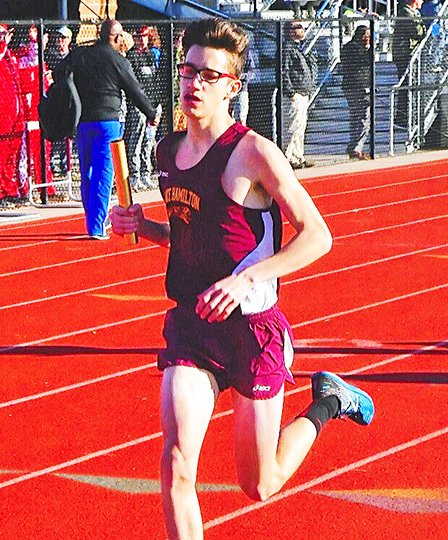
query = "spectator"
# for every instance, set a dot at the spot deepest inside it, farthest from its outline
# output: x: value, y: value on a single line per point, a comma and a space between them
x: 12, y: 120
x: 154, y: 43
x: 356, y: 79
x: 241, y: 101
x: 409, y: 30
x: 100, y: 73
x: 303, y: 8
x: 61, y: 49
x: 298, y: 86
x: 138, y: 145
x: 30, y: 84
x: 58, y: 159
x: 437, y: 40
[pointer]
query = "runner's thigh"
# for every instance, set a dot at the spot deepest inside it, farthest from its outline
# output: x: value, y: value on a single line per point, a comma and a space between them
x: 257, y: 428
x: 188, y: 399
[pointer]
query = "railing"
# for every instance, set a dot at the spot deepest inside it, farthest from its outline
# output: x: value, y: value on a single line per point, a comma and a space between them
x: 422, y: 98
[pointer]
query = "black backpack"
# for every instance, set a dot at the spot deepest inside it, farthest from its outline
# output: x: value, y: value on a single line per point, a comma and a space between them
x: 60, y: 109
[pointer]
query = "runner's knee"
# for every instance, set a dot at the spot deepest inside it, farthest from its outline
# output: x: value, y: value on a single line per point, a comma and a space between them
x: 258, y: 490
x: 177, y: 470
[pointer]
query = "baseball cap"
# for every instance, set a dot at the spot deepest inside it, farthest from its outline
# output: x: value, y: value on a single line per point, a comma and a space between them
x: 64, y: 31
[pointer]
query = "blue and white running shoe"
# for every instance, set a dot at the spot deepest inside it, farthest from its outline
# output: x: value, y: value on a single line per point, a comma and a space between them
x: 355, y: 404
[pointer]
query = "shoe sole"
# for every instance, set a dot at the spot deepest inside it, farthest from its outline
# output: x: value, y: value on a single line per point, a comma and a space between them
x: 363, y: 418
x: 99, y: 237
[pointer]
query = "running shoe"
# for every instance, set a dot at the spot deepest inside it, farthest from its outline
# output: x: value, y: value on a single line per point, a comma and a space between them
x: 355, y: 404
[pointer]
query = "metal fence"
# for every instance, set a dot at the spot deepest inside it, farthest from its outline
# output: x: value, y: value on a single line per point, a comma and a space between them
x: 340, y: 109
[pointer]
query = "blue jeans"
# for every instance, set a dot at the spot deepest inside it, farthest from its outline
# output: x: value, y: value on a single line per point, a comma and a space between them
x: 97, y: 171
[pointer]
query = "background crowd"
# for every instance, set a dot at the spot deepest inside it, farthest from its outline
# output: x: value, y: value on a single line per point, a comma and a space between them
x: 24, y: 155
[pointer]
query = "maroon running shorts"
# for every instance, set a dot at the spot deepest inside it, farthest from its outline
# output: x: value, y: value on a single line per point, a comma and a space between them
x: 251, y: 353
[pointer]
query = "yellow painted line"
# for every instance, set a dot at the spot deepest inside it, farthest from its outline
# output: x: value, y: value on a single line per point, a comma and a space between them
x: 130, y: 297
x: 437, y: 256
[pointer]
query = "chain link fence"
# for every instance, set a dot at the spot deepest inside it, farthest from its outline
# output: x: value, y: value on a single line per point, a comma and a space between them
x: 352, y: 100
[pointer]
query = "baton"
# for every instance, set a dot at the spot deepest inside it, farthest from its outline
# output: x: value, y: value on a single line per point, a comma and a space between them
x: 124, y: 193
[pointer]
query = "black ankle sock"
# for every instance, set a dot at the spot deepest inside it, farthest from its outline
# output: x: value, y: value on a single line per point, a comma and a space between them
x: 321, y: 410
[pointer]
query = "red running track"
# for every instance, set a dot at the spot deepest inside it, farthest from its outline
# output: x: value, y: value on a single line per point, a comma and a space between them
x: 80, y: 330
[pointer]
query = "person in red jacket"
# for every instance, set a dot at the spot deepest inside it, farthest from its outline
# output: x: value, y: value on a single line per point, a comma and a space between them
x: 30, y: 85
x: 12, y: 119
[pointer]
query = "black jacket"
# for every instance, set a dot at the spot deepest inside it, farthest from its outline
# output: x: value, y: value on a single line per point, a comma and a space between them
x: 356, y: 66
x: 297, y: 71
x: 100, y: 75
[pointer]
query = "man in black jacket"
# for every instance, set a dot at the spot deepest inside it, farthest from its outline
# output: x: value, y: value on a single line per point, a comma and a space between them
x: 356, y: 78
x: 101, y: 74
x: 298, y: 86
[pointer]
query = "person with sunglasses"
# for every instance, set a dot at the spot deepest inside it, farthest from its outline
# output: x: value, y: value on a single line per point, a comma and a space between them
x: 224, y: 187
x: 298, y: 87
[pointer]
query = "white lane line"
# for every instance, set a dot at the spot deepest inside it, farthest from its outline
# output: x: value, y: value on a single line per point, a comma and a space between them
x: 378, y: 187
x: 154, y: 246
x: 369, y: 306
x: 81, y: 291
x: 77, y: 461
x: 343, y: 212
x: 390, y: 227
x: 75, y: 386
x: 380, y: 363
x: 44, y: 242
x: 19, y: 346
x: 384, y: 205
x: 67, y: 219
x: 324, y: 478
x: 76, y: 261
x: 364, y: 264
x: 284, y: 283
x: 397, y: 168
x: 134, y: 442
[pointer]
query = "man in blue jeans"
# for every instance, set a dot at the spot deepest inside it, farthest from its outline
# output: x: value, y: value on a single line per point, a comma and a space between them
x: 101, y: 75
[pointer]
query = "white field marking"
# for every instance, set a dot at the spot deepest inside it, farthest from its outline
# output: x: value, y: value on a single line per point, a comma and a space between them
x: 44, y: 242
x: 361, y: 209
x: 79, y: 332
x: 75, y: 386
x: 247, y: 509
x: 385, y: 205
x: 16, y: 227
x: 81, y: 291
x: 369, y: 306
x: 77, y: 461
x: 306, y: 278
x: 76, y: 261
x: 134, y: 442
x: 325, y: 478
x: 75, y: 217
x: 337, y: 176
x: 380, y: 363
x: 381, y: 186
x: 313, y: 276
x: 304, y: 323
x: 389, y: 227
x: 364, y: 264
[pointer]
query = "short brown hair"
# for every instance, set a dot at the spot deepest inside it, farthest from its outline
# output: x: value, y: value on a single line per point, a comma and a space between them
x: 218, y: 34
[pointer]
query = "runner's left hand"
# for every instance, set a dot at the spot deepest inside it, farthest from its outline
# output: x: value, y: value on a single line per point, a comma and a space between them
x: 218, y: 302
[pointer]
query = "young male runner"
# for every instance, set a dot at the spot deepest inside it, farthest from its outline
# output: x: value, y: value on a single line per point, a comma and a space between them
x: 223, y: 186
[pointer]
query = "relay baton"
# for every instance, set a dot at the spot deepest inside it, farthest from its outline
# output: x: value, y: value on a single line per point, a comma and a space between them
x: 122, y: 181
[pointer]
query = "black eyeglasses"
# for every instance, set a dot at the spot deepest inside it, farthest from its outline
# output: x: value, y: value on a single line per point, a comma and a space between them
x: 186, y: 71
